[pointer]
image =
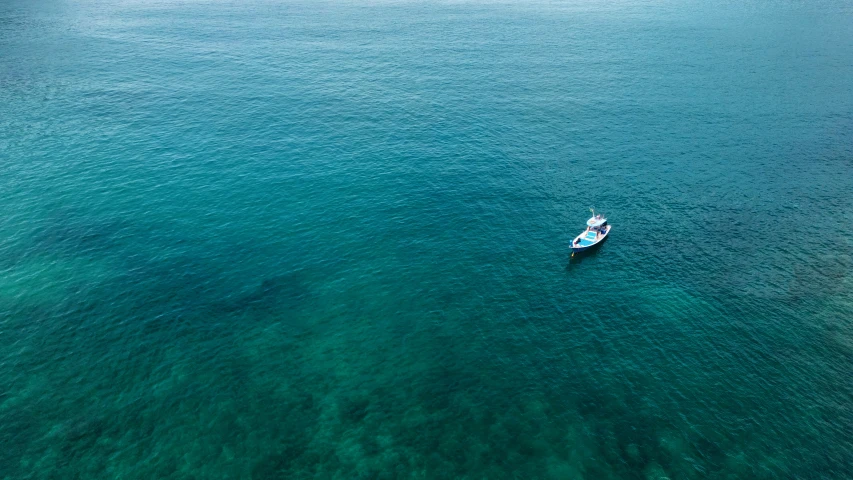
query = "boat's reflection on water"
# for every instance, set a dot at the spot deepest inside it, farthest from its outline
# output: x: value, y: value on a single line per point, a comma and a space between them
x: 576, y: 258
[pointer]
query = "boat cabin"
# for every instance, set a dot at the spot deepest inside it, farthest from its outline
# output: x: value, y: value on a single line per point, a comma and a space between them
x: 597, y: 222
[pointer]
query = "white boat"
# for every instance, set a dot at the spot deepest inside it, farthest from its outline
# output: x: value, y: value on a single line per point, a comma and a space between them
x: 596, y: 232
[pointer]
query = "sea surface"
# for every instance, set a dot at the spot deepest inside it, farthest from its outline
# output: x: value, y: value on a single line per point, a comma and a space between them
x: 329, y: 239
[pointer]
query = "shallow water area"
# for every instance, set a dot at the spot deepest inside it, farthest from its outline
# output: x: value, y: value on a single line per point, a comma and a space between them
x: 331, y: 240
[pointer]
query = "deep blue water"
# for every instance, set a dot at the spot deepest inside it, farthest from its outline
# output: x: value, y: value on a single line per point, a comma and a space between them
x: 294, y: 240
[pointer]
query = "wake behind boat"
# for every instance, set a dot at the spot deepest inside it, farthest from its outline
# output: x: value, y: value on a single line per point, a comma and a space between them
x: 596, y: 231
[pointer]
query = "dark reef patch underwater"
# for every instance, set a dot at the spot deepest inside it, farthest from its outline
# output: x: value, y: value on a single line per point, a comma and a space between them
x: 273, y: 239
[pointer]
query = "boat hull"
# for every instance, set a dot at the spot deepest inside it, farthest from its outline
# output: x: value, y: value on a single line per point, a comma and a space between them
x: 585, y: 248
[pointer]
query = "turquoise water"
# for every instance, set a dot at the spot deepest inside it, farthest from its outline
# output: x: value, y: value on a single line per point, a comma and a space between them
x: 330, y: 239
